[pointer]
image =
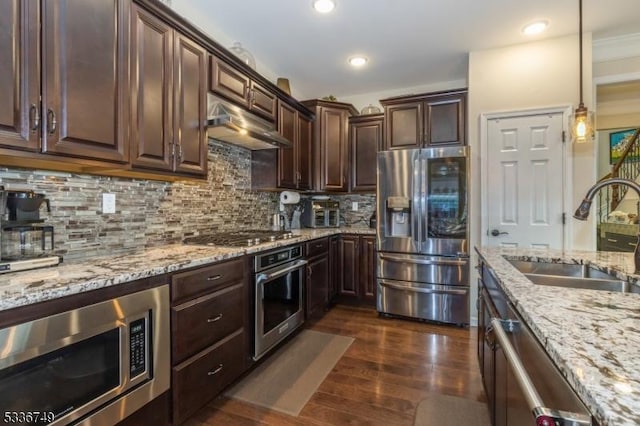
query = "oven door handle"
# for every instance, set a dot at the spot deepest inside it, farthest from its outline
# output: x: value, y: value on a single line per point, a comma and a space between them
x: 270, y: 276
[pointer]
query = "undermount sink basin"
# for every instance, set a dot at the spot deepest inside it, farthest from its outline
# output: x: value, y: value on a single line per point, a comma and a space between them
x: 561, y: 269
x: 584, y: 283
x: 572, y: 276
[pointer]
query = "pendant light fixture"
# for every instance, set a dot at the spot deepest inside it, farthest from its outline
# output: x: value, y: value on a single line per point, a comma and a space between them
x: 582, y: 128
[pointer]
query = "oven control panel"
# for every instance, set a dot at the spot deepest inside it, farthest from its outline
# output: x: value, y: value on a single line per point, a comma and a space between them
x: 277, y: 257
x: 137, y: 347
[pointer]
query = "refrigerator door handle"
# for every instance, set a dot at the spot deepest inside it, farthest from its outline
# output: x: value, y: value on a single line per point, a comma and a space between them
x: 416, y: 208
x: 395, y: 286
x: 447, y: 262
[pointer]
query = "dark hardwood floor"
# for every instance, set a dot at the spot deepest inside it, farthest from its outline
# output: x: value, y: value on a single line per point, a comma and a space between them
x: 390, y: 367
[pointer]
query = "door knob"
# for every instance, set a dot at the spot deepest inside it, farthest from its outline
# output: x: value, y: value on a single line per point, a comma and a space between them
x: 495, y: 233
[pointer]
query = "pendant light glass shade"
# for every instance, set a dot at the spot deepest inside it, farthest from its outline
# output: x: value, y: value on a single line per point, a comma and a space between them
x: 582, y: 125
x: 582, y: 122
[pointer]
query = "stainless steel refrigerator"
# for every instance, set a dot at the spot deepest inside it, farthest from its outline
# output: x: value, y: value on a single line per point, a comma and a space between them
x: 422, y: 234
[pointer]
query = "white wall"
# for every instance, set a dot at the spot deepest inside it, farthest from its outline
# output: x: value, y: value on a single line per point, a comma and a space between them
x: 533, y: 75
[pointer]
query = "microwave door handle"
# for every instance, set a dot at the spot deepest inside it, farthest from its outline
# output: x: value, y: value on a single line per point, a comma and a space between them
x: 273, y: 275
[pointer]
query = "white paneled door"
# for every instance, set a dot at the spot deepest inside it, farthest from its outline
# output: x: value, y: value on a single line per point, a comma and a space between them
x: 525, y: 176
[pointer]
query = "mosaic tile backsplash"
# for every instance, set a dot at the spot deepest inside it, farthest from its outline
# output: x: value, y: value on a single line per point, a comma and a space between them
x: 148, y: 213
x: 151, y: 213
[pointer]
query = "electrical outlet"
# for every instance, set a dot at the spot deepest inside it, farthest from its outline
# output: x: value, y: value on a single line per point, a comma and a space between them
x: 108, y: 203
x: 354, y: 206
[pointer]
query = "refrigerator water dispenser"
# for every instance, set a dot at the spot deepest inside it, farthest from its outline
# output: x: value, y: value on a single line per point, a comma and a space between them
x: 399, y: 216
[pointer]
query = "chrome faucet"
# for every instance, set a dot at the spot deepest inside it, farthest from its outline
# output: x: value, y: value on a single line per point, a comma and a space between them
x: 582, y: 212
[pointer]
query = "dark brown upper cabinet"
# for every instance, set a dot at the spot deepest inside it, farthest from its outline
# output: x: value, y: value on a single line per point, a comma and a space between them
x: 330, y: 144
x: 168, y: 97
x: 294, y: 163
x: 285, y: 168
x: 433, y: 119
x: 365, y: 140
x: 72, y: 102
x: 227, y: 81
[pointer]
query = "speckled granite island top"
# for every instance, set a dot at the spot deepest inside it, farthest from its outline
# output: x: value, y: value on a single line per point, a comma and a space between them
x: 592, y: 336
x: 38, y: 285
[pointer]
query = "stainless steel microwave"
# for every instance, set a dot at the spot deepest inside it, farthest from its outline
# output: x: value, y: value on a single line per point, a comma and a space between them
x: 321, y: 214
x: 95, y: 365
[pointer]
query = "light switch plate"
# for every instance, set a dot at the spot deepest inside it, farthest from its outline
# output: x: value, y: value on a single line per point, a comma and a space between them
x: 108, y: 203
x: 354, y: 206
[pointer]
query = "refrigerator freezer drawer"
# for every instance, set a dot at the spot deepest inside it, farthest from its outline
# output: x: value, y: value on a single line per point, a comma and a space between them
x: 424, y: 269
x: 449, y: 304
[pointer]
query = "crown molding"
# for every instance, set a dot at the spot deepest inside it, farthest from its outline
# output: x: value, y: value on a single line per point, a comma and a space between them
x: 613, y: 48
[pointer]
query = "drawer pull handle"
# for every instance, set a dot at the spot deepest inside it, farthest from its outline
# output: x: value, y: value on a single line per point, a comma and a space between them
x: 632, y: 244
x: 318, y: 245
x: 214, y: 277
x: 216, y: 371
x: 612, y: 241
x: 214, y: 319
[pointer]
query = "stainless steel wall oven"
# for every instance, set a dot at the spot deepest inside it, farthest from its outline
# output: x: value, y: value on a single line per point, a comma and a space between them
x: 279, y: 291
x: 96, y: 364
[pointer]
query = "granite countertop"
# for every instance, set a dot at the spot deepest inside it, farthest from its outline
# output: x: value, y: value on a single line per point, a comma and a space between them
x: 592, y: 336
x: 38, y: 285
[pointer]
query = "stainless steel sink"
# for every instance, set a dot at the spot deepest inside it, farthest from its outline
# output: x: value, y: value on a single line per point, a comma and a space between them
x: 561, y: 269
x: 570, y: 275
x: 585, y: 283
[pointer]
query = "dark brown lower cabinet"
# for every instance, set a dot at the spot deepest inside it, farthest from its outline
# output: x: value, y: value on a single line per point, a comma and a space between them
x: 357, y: 269
x: 209, y: 329
x: 334, y: 267
x: 200, y: 378
x: 317, y: 279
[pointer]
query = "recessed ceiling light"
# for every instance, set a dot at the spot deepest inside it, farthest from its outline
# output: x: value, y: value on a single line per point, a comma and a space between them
x: 324, y: 6
x: 358, y: 61
x: 535, y: 28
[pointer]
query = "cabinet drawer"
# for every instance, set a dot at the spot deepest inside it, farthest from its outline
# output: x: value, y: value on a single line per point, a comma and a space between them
x: 619, y: 242
x: 199, y: 379
x: 210, y: 278
x: 317, y: 247
x: 203, y: 321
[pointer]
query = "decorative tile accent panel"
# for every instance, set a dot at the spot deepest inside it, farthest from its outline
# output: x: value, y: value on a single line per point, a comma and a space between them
x: 148, y: 213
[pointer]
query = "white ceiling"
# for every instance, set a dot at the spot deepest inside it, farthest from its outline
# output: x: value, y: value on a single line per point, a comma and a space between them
x: 408, y: 42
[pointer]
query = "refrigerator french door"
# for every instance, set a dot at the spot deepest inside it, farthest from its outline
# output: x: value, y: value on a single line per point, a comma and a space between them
x: 423, y: 253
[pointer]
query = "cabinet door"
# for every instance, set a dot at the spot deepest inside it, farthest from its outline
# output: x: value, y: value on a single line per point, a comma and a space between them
x: 334, y: 151
x: 19, y: 74
x: 229, y: 82
x: 317, y: 285
x: 365, y: 142
x: 403, y: 125
x: 286, y: 156
x: 190, y: 108
x: 445, y: 118
x: 84, y: 71
x: 335, y: 276
x: 349, y: 266
x: 303, y: 155
x: 368, y: 269
x: 262, y: 101
x: 151, y: 91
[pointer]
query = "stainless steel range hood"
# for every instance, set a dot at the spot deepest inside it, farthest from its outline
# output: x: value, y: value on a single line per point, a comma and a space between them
x: 229, y: 123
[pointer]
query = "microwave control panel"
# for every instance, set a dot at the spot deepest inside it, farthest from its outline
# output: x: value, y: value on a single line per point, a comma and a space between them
x: 137, y: 347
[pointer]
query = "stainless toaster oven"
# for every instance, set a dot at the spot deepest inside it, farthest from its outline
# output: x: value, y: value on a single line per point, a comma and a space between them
x: 321, y: 214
